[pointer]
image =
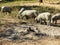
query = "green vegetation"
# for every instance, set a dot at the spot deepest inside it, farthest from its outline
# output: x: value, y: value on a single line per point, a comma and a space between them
x: 21, y: 0
x: 16, y: 3
x: 18, y: 0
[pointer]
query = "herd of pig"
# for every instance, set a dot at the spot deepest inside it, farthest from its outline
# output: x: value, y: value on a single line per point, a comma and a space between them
x: 45, y: 17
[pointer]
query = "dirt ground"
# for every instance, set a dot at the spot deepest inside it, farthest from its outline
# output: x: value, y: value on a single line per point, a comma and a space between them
x: 50, y: 30
x: 46, y: 41
x: 42, y: 41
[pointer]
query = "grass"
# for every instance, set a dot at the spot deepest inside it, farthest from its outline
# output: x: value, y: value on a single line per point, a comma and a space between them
x: 16, y: 3
x: 16, y: 6
x: 46, y: 41
x: 40, y: 9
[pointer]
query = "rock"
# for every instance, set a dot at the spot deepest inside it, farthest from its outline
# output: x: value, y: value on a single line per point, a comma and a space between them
x: 7, y: 33
x: 21, y: 31
x: 14, y: 37
x: 31, y: 36
x: 24, y: 22
x: 33, y: 29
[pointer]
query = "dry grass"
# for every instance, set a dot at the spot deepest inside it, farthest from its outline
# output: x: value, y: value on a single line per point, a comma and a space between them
x: 16, y: 3
x: 51, y: 1
x: 47, y: 41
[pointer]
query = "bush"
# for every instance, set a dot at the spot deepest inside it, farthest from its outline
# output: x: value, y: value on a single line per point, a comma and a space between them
x: 9, y: 0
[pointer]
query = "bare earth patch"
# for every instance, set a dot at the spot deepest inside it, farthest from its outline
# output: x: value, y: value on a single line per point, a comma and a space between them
x: 46, y: 41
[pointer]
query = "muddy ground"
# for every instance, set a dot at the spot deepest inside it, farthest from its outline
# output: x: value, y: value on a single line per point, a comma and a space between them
x: 28, y: 32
